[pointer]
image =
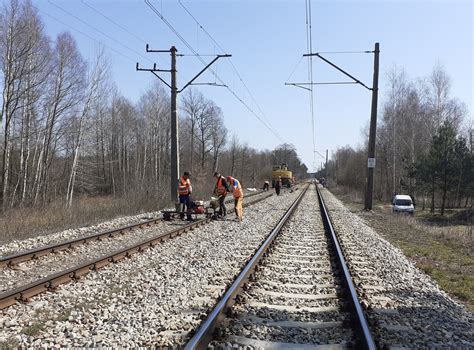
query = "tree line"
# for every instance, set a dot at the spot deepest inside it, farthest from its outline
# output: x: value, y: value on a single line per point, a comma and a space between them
x: 68, y: 131
x: 423, y: 146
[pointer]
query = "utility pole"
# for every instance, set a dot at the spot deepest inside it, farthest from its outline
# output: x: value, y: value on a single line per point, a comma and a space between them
x: 373, y: 117
x: 174, y: 178
x: 174, y: 129
x: 373, y: 129
x: 326, y: 170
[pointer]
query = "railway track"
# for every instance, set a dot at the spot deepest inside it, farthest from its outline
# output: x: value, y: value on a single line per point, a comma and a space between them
x: 294, y: 293
x: 27, y: 287
x: 36, y: 253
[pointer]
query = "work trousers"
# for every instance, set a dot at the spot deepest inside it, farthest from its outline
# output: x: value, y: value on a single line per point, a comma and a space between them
x: 222, y: 208
x: 186, y: 206
x: 238, y: 205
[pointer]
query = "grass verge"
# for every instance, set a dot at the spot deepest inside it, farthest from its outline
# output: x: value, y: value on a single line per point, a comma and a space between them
x: 445, y: 251
x: 22, y: 223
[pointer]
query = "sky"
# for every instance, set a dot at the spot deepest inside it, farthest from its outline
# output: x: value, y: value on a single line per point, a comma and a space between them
x: 267, y: 40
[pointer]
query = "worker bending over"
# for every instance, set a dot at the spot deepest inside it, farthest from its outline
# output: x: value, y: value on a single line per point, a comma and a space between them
x: 184, y: 191
x: 266, y: 186
x: 236, y: 189
x: 221, y: 190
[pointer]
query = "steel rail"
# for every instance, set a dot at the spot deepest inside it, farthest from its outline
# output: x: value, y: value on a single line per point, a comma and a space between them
x: 30, y: 254
x: 24, y: 293
x: 364, y: 339
x: 203, y: 335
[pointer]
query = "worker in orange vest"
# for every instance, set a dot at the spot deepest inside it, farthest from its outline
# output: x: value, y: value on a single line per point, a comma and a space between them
x: 236, y: 189
x: 221, y: 190
x: 184, y: 191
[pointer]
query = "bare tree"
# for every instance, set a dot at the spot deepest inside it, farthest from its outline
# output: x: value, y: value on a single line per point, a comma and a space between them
x: 24, y: 58
x: 67, y: 82
x: 204, y: 121
x: 194, y: 107
x: 219, y: 135
x: 93, y: 93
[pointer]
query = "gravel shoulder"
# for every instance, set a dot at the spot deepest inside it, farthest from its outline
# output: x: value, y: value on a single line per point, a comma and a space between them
x: 445, y: 252
x: 405, y: 307
x: 295, y: 298
x: 152, y: 299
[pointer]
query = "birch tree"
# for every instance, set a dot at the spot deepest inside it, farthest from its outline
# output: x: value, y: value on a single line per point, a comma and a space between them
x: 93, y: 93
x: 66, y: 85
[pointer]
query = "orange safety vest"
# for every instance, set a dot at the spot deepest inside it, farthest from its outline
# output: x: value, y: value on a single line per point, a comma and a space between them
x: 184, y: 187
x: 237, y: 189
x: 220, y: 188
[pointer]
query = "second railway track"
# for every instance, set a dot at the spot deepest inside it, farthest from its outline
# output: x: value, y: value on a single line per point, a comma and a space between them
x: 37, y: 276
x: 13, y: 259
x: 294, y: 293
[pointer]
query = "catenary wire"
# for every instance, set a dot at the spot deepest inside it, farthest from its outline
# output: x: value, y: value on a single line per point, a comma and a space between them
x: 88, y: 36
x: 153, y: 8
x: 309, y: 47
x: 114, y: 22
x: 294, y: 69
x: 98, y: 30
x: 229, y: 61
x: 125, y: 30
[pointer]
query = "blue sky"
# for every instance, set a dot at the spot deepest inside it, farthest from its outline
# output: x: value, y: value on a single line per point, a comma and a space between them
x: 267, y: 39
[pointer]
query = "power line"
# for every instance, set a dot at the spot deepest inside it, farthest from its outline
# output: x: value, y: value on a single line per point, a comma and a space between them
x: 294, y: 69
x: 309, y: 46
x: 88, y: 36
x: 230, y: 62
x: 112, y: 21
x: 153, y: 8
x: 98, y: 30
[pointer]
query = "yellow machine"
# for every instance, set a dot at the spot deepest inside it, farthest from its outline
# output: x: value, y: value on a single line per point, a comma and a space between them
x: 282, y: 172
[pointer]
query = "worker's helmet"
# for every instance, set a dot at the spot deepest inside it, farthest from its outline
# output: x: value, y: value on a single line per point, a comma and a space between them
x: 229, y: 177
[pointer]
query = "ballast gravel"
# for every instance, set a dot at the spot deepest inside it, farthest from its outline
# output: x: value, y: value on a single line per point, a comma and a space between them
x: 42, y: 240
x: 32, y: 270
x: 405, y: 307
x: 152, y: 299
x: 285, y: 311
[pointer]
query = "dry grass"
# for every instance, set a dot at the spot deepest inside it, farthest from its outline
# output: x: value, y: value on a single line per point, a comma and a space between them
x: 22, y: 223
x: 443, y: 249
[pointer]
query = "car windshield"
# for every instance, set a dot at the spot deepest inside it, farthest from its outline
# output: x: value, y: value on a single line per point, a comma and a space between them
x: 403, y: 202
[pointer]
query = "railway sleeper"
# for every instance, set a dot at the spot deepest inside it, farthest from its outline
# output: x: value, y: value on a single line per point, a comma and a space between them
x: 26, y: 295
x: 56, y: 282
x: 100, y: 264
x: 10, y: 300
x: 77, y: 274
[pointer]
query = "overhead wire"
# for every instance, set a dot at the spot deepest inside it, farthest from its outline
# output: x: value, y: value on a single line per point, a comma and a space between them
x: 88, y: 36
x: 309, y: 47
x: 129, y: 32
x: 98, y: 30
x: 114, y: 22
x: 294, y: 69
x: 234, y: 68
x: 153, y: 8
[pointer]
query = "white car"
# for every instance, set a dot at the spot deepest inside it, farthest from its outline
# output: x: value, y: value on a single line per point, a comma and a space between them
x: 403, y: 204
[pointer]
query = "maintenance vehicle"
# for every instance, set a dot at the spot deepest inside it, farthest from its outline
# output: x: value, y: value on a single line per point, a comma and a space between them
x: 281, y: 171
